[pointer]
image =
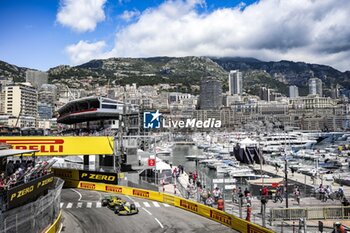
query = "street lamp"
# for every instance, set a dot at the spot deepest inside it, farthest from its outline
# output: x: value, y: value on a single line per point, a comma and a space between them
x: 286, y: 178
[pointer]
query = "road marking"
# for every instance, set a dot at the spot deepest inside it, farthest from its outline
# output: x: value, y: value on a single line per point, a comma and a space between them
x: 166, y: 205
x: 69, y: 205
x: 147, y: 204
x: 61, y: 205
x: 79, y: 205
x: 137, y: 204
x: 147, y: 211
x: 159, y: 223
x: 89, y: 204
x: 98, y: 205
x: 156, y: 204
x: 80, y: 196
x: 130, y: 198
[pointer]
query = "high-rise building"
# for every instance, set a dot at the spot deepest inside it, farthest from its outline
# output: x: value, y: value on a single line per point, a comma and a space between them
x: 293, y: 91
x: 44, y: 110
x: 36, y: 78
x: 210, y: 93
x: 2, y: 101
x: 235, y: 82
x: 315, y: 86
x: 21, y: 99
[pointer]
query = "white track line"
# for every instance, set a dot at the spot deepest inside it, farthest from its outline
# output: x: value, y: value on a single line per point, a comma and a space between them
x: 160, y: 224
x: 166, y: 205
x: 147, y: 211
x: 61, y: 205
x: 137, y: 204
x: 80, y: 196
x: 89, y: 204
x: 98, y: 205
x: 130, y: 198
x: 69, y: 205
x: 156, y: 204
x: 147, y: 204
x: 79, y: 205
x: 60, y: 229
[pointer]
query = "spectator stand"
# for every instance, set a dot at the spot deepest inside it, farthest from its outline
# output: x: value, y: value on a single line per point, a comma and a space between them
x: 13, y: 173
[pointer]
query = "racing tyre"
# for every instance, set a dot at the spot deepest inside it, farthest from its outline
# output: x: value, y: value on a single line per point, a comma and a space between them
x: 116, y: 211
x: 132, y: 207
x: 104, y: 202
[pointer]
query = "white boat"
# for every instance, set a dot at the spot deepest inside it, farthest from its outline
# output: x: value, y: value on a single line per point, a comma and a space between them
x: 279, y: 142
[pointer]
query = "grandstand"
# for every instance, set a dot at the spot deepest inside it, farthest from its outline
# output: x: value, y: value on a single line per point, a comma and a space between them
x: 90, y: 109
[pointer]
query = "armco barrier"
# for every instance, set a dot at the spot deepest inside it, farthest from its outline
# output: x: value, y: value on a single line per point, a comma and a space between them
x: 203, y: 210
x: 56, y: 225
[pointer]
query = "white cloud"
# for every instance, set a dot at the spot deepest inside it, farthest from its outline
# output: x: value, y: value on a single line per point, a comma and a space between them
x: 301, y: 30
x: 129, y: 15
x: 84, y: 51
x: 81, y: 15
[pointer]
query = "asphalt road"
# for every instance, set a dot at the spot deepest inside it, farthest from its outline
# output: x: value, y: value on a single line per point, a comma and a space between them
x: 82, y: 212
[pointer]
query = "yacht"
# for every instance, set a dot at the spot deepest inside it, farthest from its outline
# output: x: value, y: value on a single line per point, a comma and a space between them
x: 279, y: 142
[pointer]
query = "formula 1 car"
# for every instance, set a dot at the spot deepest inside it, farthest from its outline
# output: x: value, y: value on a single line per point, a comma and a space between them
x: 126, y: 209
x: 111, y: 201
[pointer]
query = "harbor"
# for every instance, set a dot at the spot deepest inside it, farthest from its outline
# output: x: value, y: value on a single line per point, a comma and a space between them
x: 232, y: 161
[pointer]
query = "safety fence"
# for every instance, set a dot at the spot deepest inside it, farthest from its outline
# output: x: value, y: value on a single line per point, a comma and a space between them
x: 311, y: 213
x: 203, y: 210
x: 35, y: 216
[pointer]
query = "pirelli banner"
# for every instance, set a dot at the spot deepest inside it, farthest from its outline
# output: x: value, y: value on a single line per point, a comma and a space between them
x: 27, y: 192
x: 82, y: 175
x: 63, y: 146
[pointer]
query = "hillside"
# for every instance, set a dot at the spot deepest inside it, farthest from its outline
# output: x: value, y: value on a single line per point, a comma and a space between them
x: 289, y: 72
x: 18, y: 74
x: 185, y: 71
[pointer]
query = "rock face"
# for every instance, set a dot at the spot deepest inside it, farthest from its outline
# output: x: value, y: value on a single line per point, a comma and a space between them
x: 186, y: 72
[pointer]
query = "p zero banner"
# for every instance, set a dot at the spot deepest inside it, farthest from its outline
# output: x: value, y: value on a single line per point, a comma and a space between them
x: 61, y: 146
x: 99, y: 177
x: 27, y: 192
x: 82, y: 175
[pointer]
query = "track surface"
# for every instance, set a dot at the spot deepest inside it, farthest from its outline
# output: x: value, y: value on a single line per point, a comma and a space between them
x: 82, y: 212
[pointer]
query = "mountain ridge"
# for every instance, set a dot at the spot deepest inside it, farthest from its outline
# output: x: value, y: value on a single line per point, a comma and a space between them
x: 185, y: 72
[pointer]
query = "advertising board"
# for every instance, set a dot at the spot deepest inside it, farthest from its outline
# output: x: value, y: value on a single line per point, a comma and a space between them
x: 27, y: 192
x: 62, y: 146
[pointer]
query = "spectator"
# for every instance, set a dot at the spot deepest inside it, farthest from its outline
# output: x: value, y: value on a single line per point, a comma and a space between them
x: 9, y: 168
x: 249, y: 212
x: 204, y: 195
x: 194, y: 177
x: 188, y: 191
x: 234, y: 195
x: 209, y: 201
x: 221, y: 204
x: 265, y: 193
x: 339, y: 228
x: 246, y: 191
x: 216, y: 194
x: 297, y: 195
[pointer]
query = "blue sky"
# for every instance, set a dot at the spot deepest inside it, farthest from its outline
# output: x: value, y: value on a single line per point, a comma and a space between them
x: 45, y: 33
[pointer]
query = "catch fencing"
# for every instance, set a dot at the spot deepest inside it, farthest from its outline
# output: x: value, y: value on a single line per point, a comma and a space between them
x: 311, y: 213
x: 35, y: 216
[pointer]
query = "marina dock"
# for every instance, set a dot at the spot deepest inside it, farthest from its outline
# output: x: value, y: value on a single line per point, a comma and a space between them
x: 300, y: 178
